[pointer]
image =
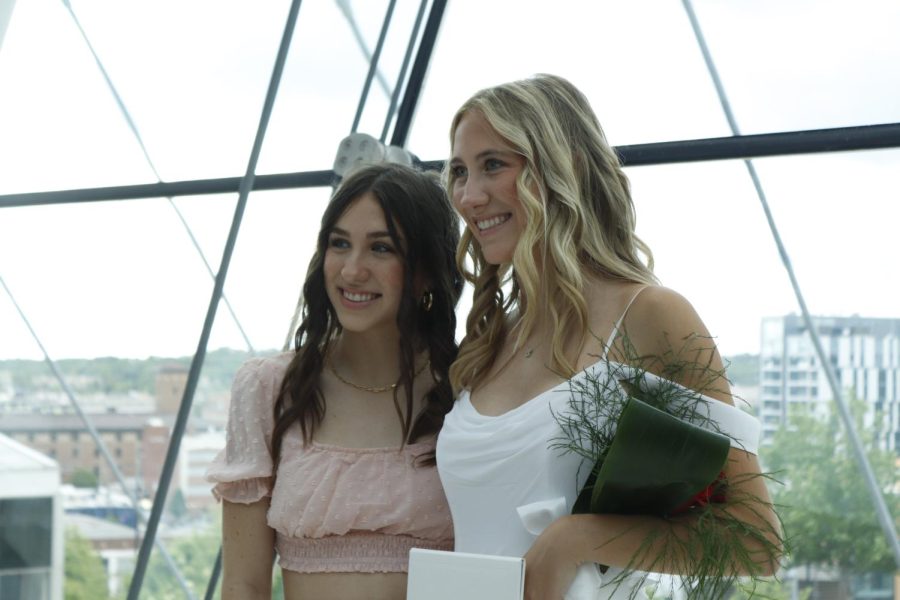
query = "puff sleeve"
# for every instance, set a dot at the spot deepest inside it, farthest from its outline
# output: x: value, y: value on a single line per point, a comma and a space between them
x: 242, y: 471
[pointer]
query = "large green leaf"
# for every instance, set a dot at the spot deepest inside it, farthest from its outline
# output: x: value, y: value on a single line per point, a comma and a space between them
x: 656, y: 463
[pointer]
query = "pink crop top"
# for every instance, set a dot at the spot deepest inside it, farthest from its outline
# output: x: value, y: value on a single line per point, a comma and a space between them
x: 333, y: 509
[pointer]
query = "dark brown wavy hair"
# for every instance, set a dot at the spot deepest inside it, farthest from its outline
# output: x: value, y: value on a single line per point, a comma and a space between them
x: 416, y: 206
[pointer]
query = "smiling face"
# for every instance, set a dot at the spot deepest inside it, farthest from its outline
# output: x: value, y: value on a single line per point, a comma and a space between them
x: 364, y: 270
x: 483, y: 170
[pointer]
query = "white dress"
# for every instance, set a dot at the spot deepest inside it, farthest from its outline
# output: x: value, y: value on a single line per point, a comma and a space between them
x: 489, y: 466
x: 503, y: 476
x: 492, y: 467
x: 496, y: 469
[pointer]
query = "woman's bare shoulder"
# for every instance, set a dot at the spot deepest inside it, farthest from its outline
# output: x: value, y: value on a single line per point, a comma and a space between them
x: 663, y: 325
x: 661, y: 322
x: 658, y: 308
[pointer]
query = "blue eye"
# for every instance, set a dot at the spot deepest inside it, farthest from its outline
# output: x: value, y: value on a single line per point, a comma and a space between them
x: 492, y: 164
x: 339, y: 243
x: 382, y: 248
x: 458, y: 171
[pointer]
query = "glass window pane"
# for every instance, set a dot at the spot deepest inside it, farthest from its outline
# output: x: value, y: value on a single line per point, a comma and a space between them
x: 25, y: 532
x: 794, y: 67
x: 31, y: 585
x: 124, y: 280
x: 835, y: 214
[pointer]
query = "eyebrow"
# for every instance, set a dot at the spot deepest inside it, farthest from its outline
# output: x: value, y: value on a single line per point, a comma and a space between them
x: 483, y: 154
x: 370, y: 235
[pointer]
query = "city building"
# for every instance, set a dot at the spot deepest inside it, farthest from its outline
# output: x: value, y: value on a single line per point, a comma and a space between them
x: 864, y: 354
x: 31, y: 524
x: 197, y: 452
x: 136, y: 442
x: 170, y: 383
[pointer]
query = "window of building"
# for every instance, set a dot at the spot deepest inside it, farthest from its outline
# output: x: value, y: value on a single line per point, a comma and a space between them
x: 26, y: 538
x: 25, y: 584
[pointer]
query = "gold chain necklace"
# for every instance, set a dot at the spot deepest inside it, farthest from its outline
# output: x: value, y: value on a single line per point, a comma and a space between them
x: 374, y: 390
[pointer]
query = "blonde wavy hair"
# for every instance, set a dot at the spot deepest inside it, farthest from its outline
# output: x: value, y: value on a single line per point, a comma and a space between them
x: 580, y: 219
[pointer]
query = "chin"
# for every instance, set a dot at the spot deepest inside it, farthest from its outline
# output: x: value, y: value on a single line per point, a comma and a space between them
x: 497, y: 258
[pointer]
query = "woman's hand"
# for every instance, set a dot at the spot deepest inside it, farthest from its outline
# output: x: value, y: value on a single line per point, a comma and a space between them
x: 549, y: 567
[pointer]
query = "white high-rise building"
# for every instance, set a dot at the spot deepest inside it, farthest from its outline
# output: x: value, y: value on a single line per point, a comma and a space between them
x: 865, y: 356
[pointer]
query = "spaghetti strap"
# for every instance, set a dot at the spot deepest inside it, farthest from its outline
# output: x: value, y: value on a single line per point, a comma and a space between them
x: 618, y: 325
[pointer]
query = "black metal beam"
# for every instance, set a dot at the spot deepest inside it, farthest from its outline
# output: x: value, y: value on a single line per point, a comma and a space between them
x: 196, y: 187
x: 190, y: 386
x: 816, y: 141
x: 417, y: 74
x: 373, y: 65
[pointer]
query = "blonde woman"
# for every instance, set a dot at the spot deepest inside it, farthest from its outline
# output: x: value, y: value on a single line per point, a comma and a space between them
x: 558, y: 276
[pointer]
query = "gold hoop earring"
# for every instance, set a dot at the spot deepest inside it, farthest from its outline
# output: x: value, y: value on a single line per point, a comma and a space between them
x: 427, y: 301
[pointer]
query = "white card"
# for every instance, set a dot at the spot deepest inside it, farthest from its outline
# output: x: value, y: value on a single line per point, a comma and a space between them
x: 438, y: 575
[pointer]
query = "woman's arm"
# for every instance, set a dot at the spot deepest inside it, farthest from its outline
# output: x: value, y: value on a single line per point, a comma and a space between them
x: 663, y: 325
x: 248, y: 549
x: 642, y: 542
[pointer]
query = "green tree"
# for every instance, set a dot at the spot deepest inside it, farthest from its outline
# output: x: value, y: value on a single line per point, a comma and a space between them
x: 195, y: 556
x: 85, y: 574
x: 177, y: 506
x: 828, y: 514
x: 121, y: 375
x: 768, y: 590
x: 84, y: 478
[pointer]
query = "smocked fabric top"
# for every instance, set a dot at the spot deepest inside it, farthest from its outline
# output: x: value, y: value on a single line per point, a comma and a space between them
x: 333, y: 509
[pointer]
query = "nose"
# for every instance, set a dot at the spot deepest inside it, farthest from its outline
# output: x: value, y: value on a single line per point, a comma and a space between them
x: 471, y: 194
x: 354, y: 269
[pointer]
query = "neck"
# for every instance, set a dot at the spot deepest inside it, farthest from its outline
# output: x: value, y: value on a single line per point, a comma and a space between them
x: 366, y: 359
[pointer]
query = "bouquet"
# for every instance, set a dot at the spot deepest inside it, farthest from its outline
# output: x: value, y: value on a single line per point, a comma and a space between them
x: 658, y: 448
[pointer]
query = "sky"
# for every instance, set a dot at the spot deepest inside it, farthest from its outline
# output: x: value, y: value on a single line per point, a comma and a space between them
x: 122, y: 278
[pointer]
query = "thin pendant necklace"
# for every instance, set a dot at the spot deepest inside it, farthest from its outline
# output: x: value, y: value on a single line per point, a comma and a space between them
x: 374, y: 390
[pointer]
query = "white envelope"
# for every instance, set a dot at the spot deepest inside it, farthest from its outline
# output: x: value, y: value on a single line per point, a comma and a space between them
x: 438, y: 575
